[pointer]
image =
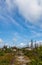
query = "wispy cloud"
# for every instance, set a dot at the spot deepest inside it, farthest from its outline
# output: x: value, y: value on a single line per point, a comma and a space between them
x: 30, y: 9
x: 11, y: 13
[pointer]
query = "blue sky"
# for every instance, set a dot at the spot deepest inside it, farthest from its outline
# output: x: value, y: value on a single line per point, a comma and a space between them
x: 20, y: 21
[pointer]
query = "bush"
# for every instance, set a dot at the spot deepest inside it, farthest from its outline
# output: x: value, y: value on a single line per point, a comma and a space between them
x: 1, y: 53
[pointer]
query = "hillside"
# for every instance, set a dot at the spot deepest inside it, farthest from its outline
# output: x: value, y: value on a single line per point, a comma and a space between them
x: 23, y: 56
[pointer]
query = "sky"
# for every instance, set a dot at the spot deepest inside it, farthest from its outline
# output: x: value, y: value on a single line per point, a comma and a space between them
x: 20, y: 21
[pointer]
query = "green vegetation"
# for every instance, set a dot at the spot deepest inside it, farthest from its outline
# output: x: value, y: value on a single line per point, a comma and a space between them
x: 10, y: 55
x: 35, y: 55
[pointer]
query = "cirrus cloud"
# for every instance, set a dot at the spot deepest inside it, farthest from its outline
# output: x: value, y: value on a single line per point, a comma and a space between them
x: 31, y: 10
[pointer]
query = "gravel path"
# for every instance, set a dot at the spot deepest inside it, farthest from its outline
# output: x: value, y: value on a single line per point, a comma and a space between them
x: 22, y: 59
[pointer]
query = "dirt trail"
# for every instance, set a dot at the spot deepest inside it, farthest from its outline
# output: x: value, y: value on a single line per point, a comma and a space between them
x: 12, y: 61
x: 20, y: 59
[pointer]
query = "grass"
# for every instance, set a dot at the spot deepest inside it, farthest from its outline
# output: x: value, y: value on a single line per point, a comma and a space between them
x: 35, y: 55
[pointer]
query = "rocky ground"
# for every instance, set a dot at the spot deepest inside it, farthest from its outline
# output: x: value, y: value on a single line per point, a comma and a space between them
x: 20, y: 59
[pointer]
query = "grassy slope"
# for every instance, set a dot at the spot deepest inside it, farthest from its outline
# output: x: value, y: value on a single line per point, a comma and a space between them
x: 34, y: 55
